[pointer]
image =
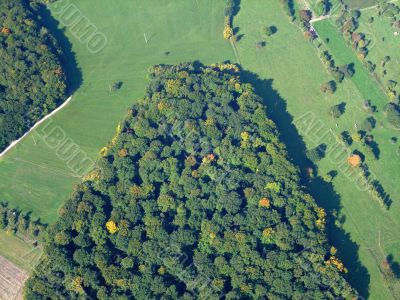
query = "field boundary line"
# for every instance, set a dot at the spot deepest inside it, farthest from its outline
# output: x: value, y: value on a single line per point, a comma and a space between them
x: 59, y: 172
x: 14, y: 143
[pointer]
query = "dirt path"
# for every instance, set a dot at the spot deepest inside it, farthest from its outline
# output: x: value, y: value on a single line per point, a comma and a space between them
x: 12, y: 280
x: 320, y: 18
x: 13, y: 144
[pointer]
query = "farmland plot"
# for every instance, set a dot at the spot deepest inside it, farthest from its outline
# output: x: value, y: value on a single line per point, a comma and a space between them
x: 12, y: 280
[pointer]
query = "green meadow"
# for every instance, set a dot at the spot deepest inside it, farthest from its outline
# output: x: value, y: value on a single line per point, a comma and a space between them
x: 384, y: 42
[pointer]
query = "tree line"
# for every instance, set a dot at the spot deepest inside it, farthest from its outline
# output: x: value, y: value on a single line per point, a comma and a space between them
x: 14, y: 221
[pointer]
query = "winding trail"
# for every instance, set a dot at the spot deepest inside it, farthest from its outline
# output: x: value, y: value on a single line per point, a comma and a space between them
x: 14, y: 143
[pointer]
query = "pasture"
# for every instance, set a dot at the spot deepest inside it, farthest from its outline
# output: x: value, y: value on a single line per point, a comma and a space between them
x: 384, y: 42
x: 288, y: 74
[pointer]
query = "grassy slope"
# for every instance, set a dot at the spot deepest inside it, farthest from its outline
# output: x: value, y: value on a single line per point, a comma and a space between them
x: 32, y: 176
x: 294, y: 65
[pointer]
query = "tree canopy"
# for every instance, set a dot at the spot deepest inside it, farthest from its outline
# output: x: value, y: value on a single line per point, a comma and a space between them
x: 32, y: 81
x: 194, y: 197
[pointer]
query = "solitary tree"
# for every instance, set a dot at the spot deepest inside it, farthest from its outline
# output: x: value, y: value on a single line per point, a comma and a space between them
x: 268, y: 30
x: 328, y: 87
x: 116, y: 85
x: 336, y: 111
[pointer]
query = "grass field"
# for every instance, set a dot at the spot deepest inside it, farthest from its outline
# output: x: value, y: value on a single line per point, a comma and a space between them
x: 290, y: 75
x: 21, y: 253
x: 384, y: 43
x: 343, y: 55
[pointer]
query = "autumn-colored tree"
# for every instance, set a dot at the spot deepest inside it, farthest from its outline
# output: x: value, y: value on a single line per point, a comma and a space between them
x: 354, y: 160
x: 111, y: 227
x: 264, y: 202
x: 228, y: 32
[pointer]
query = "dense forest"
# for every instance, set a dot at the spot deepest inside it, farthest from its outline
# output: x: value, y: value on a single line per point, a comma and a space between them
x: 194, y: 197
x: 32, y: 81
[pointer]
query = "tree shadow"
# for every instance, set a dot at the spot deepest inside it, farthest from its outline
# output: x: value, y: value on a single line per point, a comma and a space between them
x: 322, y: 191
x: 342, y: 107
x: 394, y: 265
x: 291, y: 7
x: 236, y: 7
x: 327, y: 198
x: 68, y: 58
x: 375, y: 149
x: 239, y: 37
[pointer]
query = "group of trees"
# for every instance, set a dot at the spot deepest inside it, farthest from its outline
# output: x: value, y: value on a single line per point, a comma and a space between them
x: 391, y: 11
x: 348, y: 22
x: 357, y: 160
x: 14, y: 221
x: 374, y: 188
x: 305, y: 25
x: 32, y: 80
x: 339, y: 73
x: 194, y: 197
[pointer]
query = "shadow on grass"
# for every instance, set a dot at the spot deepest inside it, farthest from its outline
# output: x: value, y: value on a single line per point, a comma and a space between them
x: 322, y: 191
x: 395, y: 266
x: 68, y: 57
